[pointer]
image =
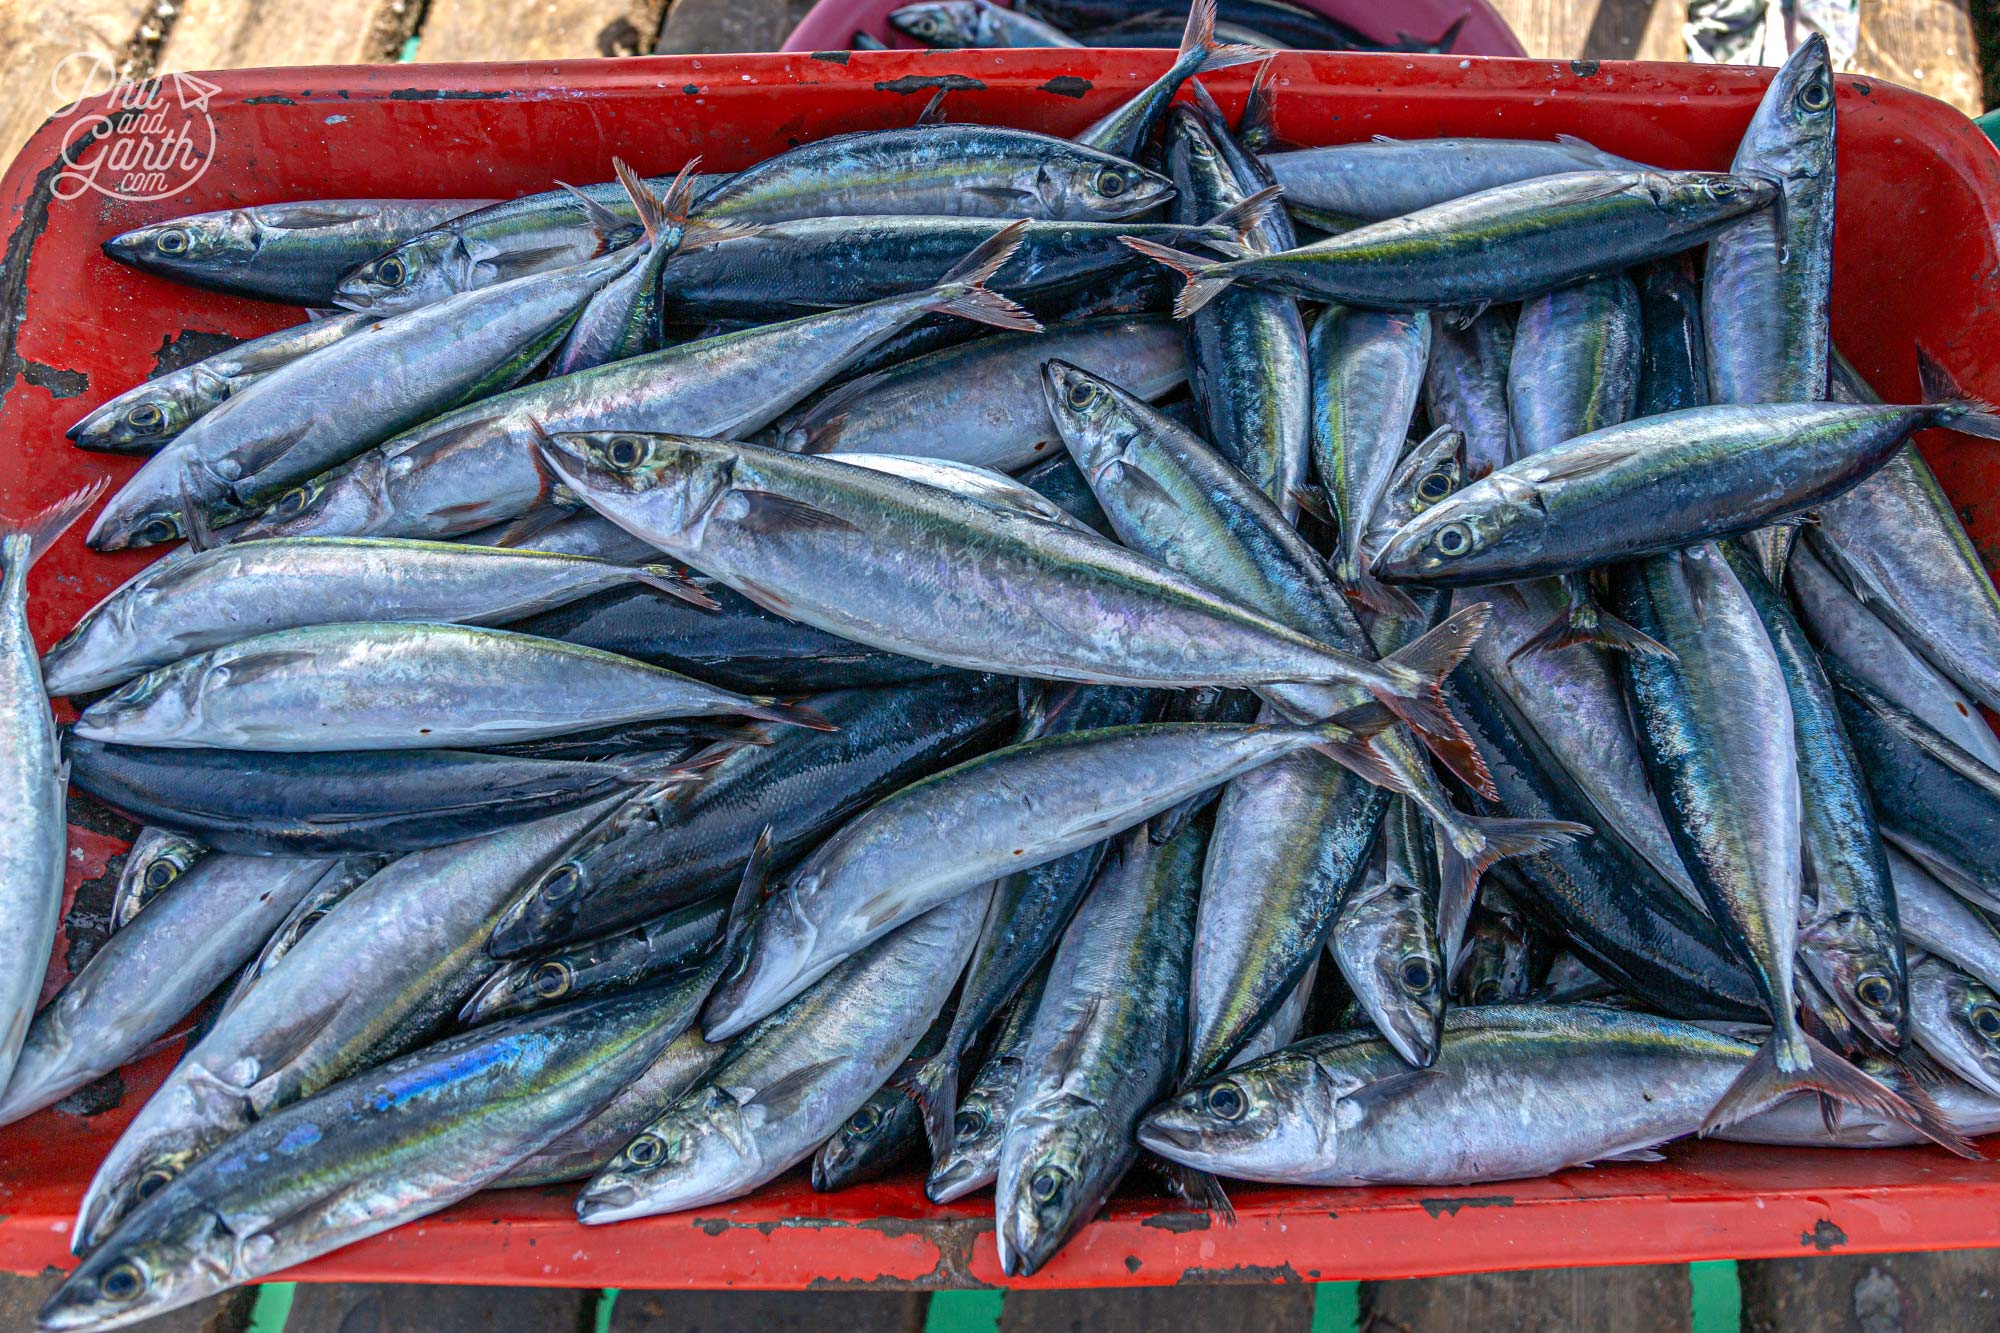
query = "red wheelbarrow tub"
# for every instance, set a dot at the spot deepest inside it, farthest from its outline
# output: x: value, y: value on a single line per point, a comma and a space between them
x: 1916, y: 250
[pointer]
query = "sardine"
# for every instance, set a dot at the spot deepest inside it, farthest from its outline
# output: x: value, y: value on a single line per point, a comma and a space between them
x: 1367, y: 371
x: 1128, y: 127
x: 1939, y: 922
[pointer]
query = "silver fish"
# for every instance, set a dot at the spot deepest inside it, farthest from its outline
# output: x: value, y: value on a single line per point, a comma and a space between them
x: 34, y: 832
x: 1129, y: 126
x: 151, y: 975
x: 1381, y: 177
x: 783, y: 1086
x: 1844, y: 626
x: 230, y: 593
x: 980, y: 1125
x: 1367, y: 372
x: 1939, y: 922
x: 383, y: 686
x: 1956, y: 1020
x: 970, y: 480
x: 149, y: 415
x: 1385, y: 939
x: 1466, y: 387
x: 394, y: 961
x: 1108, y: 1040
x: 1768, y: 280
x: 975, y: 23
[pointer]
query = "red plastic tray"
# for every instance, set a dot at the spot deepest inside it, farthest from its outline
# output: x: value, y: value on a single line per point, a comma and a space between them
x: 1916, y: 247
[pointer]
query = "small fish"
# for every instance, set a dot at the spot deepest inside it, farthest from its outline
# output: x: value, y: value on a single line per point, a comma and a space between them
x: 294, y: 252
x: 623, y: 318
x: 152, y: 414
x: 1385, y: 939
x: 620, y: 962
x: 1501, y: 244
x: 1379, y: 178
x: 385, y: 686
x: 972, y: 1159
x: 1126, y: 128
x: 34, y: 777
x: 1939, y: 922
x: 231, y: 593
x: 887, y: 1128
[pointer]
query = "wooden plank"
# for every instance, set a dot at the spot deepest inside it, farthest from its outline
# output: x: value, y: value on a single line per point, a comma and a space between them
x: 697, y: 27
x: 1872, y: 1293
x: 1922, y: 44
x: 366, y: 1307
x: 1646, y: 1299
x: 539, y: 29
x: 244, y: 34
x: 1598, y: 29
x: 766, y: 1312
x: 37, y: 36
x: 1277, y: 1308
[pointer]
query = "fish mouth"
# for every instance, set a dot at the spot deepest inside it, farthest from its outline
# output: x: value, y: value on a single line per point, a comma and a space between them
x: 126, y: 247
x: 613, y: 1203
x: 1175, y: 1141
x: 954, y: 1180
x: 1149, y: 193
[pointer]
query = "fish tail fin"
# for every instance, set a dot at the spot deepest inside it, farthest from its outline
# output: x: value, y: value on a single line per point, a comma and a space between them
x: 608, y: 226
x: 1472, y: 845
x: 963, y: 291
x: 1964, y: 411
x: 1583, y: 621
x: 934, y: 1088
x: 1202, y: 51
x: 1417, y: 696
x: 1200, y: 1189
x: 672, y: 582
x: 1794, y: 1062
x: 1205, y: 279
x: 1240, y: 219
x: 792, y: 715
x: 650, y: 207
x: 1444, y: 40
x: 25, y: 542
x: 1257, y: 128
x: 1348, y: 741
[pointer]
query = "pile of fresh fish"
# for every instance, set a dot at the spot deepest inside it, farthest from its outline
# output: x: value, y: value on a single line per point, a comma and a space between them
x: 695, y: 675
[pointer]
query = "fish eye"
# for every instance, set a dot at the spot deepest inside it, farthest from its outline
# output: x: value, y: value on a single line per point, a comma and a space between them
x: 391, y: 271
x: 1453, y: 539
x: 624, y: 450
x: 172, y: 241
x: 1722, y: 189
x: 1486, y: 992
x: 146, y: 416
x: 1986, y: 1018
x: 551, y: 980
x: 925, y: 26
x: 161, y: 873
x: 291, y: 503
x: 1874, y: 991
x: 1435, y: 486
x: 645, y: 1150
x: 1046, y: 1184
x: 1110, y: 182
x: 969, y: 1124
x: 561, y: 883
x: 867, y: 1120
x: 1227, y: 1101
x: 122, y: 1282
x: 1816, y: 96
x: 1080, y: 393
x: 152, y: 1181
x: 158, y: 531
x: 1416, y: 975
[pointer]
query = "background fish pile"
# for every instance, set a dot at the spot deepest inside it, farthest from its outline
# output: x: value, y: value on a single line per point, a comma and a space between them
x: 686, y: 676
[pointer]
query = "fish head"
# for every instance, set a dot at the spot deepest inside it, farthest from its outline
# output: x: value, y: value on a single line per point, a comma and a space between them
x: 190, y: 246
x: 867, y: 1134
x: 148, y: 416
x: 347, y: 502
x: 975, y: 1146
x: 517, y: 988
x: 1079, y: 184
x: 1862, y: 971
x: 702, y: 1150
x: 1467, y: 535
x: 421, y: 270
x: 1695, y: 202
x: 148, y: 509
x: 159, y: 706
x: 1094, y: 417
x: 1973, y: 1013
x: 1052, y: 1178
x: 1430, y: 475
x: 155, y: 863
x: 948, y: 23
x: 164, y: 1256
x: 777, y: 952
x: 665, y: 482
x: 1251, y: 1121
x: 1791, y: 134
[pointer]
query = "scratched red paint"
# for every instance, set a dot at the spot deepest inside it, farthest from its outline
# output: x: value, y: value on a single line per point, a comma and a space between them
x: 1920, y: 190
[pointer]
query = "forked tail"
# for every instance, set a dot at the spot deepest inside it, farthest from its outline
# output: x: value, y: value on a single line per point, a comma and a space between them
x: 963, y: 291
x: 1203, y: 279
x: 1468, y: 847
x: 1415, y: 693
x: 1957, y: 409
x: 25, y: 542
x: 1765, y: 1082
